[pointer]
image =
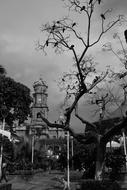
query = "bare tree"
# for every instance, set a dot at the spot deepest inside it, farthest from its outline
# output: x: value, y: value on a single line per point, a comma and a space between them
x: 65, y: 35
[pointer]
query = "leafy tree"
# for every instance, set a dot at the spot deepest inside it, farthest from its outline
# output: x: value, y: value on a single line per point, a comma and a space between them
x: 15, y: 101
x: 66, y: 35
x: 115, y: 160
x: 16, y: 97
x: 83, y: 155
x: 2, y: 70
x: 62, y: 160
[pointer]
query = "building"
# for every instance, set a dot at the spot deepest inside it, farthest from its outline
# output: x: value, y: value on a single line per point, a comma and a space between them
x: 35, y: 123
x: 40, y: 105
x: 42, y: 135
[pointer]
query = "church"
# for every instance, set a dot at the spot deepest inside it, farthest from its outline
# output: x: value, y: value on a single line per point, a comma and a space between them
x: 41, y: 135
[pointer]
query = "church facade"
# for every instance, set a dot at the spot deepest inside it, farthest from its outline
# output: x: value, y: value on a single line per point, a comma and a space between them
x: 40, y: 96
x: 42, y: 135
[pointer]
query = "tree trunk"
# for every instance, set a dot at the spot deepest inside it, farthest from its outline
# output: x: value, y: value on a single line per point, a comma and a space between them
x: 101, y: 148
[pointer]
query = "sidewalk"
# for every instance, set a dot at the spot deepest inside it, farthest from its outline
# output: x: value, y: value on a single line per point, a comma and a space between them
x: 40, y: 181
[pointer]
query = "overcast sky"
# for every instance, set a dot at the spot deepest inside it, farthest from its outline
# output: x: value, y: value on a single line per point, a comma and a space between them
x: 20, y: 22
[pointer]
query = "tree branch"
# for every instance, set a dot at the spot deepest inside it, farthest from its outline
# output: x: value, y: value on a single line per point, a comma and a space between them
x: 82, y: 92
x: 114, y: 130
x: 77, y: 97
x: 52, y: 125
x: 89, y: 24
x: 104, y: 31
x: 98, y: 81
x: 93, y: 127
x: 90, y: 138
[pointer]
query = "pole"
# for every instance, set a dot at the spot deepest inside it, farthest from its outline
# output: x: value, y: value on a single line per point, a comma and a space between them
x: 68, y: 169
x: 125, y: 150
x: 1, y: 149
x: 32, y: 159
x: 72, y: 152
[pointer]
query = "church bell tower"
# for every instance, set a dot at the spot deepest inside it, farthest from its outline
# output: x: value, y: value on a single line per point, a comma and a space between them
x: 39, y: 104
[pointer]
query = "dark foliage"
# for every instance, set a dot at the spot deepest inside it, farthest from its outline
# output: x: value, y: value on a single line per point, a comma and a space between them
x: 2, y: 70
x: 84, y: 160
x: 62, y: 161
x: 99, y: 185
x: 125, y: 35
x: 16, y: 97
x: 115, y: 160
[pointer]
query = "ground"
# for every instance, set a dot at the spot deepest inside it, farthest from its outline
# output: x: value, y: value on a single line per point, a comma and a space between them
x: 39, y: 181
x: 45, y: 181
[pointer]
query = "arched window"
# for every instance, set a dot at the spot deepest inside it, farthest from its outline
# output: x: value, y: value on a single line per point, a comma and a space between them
x: 38, y: 115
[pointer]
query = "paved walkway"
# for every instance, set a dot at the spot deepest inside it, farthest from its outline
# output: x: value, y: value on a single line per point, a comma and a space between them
x: 40, y: 181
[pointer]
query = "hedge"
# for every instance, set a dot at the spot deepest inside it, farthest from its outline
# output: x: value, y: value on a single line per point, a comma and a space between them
x: 99, y: 185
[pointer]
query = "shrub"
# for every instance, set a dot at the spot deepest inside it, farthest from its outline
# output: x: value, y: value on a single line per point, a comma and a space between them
x: 115, y: 160
x: 99, y: 185
x: 74, y: 176
x: 26, y: 175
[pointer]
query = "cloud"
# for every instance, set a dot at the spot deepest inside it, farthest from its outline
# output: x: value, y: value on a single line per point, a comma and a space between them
x: 16, y: 44
x: 17, y: 76
x: 20, y: 30
x: 116, y: 4
x: 25, y: 64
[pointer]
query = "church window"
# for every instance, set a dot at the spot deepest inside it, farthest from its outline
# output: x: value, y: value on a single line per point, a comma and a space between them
x: 38, y: 115
x: 39, y: 98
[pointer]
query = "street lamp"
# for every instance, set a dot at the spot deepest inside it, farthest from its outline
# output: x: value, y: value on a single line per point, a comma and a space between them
x: 33, y: 133
x: 72, y: 150
x: 124, y: 145
x: 32, y: 153
x: 100, y: 103
x: 62, y: 120
x: 68, y: 167
x: 68, y: 158
x: 4, y: 113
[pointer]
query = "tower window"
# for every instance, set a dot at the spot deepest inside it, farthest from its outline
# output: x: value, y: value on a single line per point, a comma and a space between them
x: 38, y: 115
x: 39, y: 98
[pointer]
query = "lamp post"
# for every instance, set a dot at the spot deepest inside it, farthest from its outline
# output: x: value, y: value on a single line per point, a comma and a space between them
x: 72, y: 151
x: 32, y: 156
x: 68, y: 158
x: 124, y: 145
x: 62, y: 120
x: 68, y: 167
x: 101, y: 103
x: 4, y: 115
x: 33, y: 133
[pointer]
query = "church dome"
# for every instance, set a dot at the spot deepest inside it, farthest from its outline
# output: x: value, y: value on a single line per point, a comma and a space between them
x: 40, y: 85
x: 39, y: 82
